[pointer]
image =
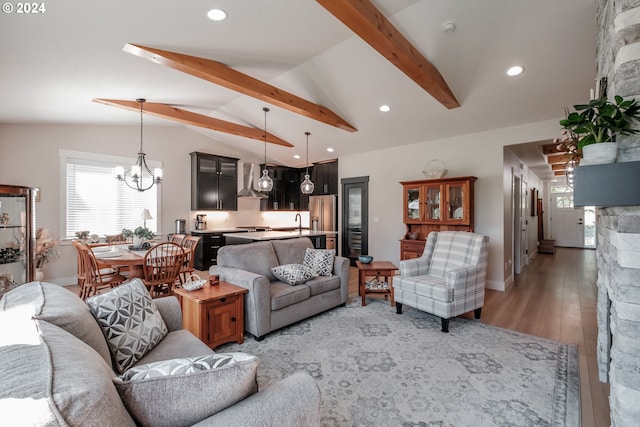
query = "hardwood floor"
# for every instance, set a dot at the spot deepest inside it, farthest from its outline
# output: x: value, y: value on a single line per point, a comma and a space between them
x: 555, y: 297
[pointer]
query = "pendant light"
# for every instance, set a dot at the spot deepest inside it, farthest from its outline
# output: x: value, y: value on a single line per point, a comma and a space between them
x: 134, y: 176
x: 265, y: 183
x: 307, y: 186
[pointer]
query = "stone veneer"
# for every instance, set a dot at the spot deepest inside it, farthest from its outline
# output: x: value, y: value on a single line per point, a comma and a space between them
x: 618, y: 244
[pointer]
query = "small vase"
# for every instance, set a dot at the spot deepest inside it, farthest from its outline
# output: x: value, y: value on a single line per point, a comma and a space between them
x: 137, y: 241
x: 599, y: 154
x: 39, y: 275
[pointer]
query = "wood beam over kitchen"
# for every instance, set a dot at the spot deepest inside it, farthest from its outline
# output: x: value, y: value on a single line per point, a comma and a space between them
x: 220, y: 74
x: 190, y: 118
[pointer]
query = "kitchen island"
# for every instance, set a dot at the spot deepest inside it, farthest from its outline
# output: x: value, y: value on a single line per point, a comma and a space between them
x: 318, y: 238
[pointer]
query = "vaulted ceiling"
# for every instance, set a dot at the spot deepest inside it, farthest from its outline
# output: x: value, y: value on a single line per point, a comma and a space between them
x: 55, y: 63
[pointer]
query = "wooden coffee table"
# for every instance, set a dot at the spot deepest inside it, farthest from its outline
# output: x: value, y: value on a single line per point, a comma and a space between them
x: 378, y: 269
x: 215, y: 314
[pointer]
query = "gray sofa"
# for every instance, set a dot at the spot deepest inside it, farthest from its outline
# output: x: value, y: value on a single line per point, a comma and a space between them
x: 270, y: 303
x: 56, y: 369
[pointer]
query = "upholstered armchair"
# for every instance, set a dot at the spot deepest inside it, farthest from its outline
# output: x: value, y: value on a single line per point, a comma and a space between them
x: 448, y: 279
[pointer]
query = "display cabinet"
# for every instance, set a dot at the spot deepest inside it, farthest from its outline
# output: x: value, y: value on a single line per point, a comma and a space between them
x: 435, y: 205
x: 17, y: 234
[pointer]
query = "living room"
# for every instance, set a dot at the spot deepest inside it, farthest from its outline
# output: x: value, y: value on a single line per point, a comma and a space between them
x: 470, y: 140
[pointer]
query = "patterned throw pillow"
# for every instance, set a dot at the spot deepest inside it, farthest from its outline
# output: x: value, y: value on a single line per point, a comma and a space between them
x: 172, y: 392
x: 293, y: 274
x: 320, y: 261
x: 130, y: 321
x: 188, y: 365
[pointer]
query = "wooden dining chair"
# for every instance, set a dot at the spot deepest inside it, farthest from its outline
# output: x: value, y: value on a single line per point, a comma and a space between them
x: 93, y: 278
x: 189, y: 244
x: 116, y: 238
x: 177, y: 238
x: 162, y: 264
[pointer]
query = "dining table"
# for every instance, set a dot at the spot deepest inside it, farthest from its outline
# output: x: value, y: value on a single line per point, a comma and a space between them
x: 120, y: 256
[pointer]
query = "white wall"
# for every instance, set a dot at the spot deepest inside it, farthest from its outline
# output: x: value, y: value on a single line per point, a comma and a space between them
x: 479, y: 155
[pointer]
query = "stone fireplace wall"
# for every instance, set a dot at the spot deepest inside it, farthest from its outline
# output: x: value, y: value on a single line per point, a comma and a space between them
x: 618, y: 245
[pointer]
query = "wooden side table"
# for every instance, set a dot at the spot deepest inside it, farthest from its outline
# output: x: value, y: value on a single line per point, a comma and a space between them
x: 215, y: 314
x: 385, y: 269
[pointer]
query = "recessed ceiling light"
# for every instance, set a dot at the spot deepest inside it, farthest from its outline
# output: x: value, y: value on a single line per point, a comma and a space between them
x: 217, y: 15
x: 515, y: 71
x: 330, y: 150
x: 296, y: 156
x: 384, y: 108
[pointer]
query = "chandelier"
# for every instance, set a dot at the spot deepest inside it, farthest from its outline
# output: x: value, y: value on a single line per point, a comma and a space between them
x: 135, y: 177
x: 265, y: 183
x: 307, y: 186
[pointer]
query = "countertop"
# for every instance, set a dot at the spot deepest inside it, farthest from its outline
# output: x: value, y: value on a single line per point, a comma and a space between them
x: 274, y: 235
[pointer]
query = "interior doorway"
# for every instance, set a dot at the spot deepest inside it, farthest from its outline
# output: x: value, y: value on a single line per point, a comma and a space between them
x: 355, y: 214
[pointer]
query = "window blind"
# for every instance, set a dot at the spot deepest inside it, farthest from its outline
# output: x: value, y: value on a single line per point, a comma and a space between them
x: 97, y: 202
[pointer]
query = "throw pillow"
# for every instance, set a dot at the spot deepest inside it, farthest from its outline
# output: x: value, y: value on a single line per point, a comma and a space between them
x: 293, y: 274
x: 130, y: 322
x: 320, y: 261
x: 186, y: 391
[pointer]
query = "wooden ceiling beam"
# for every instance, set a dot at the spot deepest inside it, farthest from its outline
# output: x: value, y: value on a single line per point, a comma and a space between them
x: 220, y: 74
x: 190, y: 118
x: 550, y: 149
x: 364, y: 19
x: 558, y: 158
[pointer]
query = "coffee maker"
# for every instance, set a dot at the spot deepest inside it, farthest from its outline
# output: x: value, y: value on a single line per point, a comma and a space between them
x: 201, y: 222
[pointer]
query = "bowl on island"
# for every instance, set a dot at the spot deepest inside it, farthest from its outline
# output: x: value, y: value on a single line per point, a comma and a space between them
x: 365, y: 259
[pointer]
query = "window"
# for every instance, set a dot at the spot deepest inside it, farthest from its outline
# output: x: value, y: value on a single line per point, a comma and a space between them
x: 92, y: 199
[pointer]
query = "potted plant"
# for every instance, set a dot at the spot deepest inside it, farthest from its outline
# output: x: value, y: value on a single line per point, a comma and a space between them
x: 592, y: 128
x: 140, y: 235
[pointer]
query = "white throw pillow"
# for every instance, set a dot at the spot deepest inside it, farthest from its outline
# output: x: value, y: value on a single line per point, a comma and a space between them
x: 320, y: 261
x: 130, y: 322
x: 293, y: 274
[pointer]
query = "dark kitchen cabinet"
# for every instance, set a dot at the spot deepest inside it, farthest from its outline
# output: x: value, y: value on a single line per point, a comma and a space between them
x: 207, y: 250
x: 214, y: 182
x: 325, y: 177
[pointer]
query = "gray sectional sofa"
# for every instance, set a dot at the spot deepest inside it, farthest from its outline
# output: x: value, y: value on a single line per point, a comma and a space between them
x: 270, y: 303
x: 57, y: 368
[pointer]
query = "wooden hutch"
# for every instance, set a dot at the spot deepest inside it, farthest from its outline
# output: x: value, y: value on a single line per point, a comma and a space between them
x: 435, y: 205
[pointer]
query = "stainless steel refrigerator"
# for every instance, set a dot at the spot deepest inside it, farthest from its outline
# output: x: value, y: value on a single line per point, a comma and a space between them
x: 323, y: 215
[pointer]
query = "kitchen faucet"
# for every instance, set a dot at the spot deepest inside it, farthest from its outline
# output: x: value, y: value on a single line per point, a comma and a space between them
x: 299, y: 217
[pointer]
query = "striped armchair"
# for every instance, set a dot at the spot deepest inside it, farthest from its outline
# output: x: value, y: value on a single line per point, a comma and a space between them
x: 448, y: 279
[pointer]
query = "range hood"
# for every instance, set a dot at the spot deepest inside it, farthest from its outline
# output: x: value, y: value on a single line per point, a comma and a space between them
x: 249, y: 173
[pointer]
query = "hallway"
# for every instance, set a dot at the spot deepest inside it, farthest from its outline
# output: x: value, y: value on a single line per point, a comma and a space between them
x: 555, y: 297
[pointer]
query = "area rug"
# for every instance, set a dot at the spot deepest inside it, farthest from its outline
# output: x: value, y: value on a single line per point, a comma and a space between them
x: 378, y: 368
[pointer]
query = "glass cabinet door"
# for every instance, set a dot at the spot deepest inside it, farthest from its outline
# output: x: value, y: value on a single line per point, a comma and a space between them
x: 456, y: 210
x: 433, y: 203
x: 413, y: 204
x: 16, y: 237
